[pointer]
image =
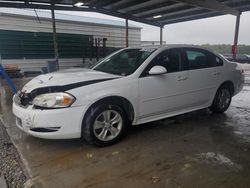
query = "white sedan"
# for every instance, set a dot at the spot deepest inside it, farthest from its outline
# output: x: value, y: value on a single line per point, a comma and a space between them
x: 130, y: 87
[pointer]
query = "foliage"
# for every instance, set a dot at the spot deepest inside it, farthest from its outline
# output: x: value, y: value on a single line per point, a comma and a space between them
x: 226, y: 48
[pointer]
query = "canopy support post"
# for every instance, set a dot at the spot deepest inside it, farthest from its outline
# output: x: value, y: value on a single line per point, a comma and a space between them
x: 236, y: 35
x: 54, y: 36
x: 161, y: 39
x: 126, y: 23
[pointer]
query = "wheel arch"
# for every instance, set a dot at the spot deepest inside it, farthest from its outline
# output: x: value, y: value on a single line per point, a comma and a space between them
x: 122, y: 102
x: 228, y: 84
x: 214, y: 105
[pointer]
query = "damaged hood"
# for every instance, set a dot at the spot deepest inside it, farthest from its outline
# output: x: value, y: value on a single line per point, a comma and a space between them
x: 67, y: 79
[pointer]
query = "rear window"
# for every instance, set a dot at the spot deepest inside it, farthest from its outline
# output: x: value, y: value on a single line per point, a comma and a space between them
x: 199, y: 59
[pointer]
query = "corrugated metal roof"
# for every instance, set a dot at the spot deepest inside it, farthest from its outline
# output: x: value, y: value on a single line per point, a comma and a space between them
x: 63, y: 17
x: 154, y: 12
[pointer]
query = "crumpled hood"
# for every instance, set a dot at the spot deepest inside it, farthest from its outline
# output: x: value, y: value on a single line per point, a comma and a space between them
x: 66, y: 78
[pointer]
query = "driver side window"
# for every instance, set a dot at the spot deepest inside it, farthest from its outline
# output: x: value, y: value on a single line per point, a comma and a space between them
x: 170, y: 59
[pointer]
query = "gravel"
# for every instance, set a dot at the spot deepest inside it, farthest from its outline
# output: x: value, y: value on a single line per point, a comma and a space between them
x: 11, y: 167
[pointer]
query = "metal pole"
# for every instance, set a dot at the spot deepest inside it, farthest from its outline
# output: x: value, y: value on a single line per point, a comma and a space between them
x: 104, y: 40
x: 161, y: 30
x: 236, y: 35
x: 98, y: 48
x: 126, y: 32
x: 54, y: 35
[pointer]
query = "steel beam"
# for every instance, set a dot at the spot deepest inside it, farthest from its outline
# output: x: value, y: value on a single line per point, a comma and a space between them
x: 141, y: 5
x: 167, y: 11
x: 239, y: 3
x: 236, y: 35
x: 129, y: 4
x: 56, y: 1
x: 190, y: 18
x: 163, y: 16
x: 151, y: 7
x: 92, y: 2
x: 105, y: 3
x: 212, y: 5
x: 183, y: 15
x: 126, y: 23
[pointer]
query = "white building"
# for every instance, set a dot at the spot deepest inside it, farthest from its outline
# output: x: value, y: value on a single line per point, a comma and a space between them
x: 19, y: 29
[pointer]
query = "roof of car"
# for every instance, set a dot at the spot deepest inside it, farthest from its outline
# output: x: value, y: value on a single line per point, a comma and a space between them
x: 172, y: 46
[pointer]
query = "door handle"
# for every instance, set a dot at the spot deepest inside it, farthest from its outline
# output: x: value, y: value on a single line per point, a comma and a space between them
x: 182, y: 78
x: 216, y: 73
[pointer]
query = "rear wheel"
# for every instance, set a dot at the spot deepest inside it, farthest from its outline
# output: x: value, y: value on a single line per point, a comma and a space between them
x: 104, y: 124
x: 222, y: 100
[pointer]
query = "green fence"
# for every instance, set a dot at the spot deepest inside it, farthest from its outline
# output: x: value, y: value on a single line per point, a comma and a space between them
x: 39, y: 45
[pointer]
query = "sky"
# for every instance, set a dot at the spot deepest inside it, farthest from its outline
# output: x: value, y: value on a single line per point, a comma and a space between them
x: 215, y: 30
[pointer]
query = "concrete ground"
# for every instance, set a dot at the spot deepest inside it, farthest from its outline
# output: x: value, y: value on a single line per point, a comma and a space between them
x: 198, y: 149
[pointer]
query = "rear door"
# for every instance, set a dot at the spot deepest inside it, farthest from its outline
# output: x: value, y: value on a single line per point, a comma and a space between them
x: 204, y: 76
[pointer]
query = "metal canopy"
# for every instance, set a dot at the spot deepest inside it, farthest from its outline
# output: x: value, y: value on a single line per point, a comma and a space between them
x: 153, y: 12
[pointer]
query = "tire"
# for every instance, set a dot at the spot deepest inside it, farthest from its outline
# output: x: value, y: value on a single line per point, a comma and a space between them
x: 98, y: 128
x: 222, y: 100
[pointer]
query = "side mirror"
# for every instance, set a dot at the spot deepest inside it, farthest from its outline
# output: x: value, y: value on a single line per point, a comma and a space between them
x: 157, y: 70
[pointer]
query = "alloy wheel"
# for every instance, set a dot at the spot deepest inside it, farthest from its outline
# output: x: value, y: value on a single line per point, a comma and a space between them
x: 108, y: 125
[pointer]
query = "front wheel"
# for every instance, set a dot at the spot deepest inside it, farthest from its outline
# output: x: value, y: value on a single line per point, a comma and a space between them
x: 222, y: 100
x: 104, y: 125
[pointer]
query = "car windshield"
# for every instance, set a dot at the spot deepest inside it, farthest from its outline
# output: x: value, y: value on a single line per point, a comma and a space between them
x: 124, y: 62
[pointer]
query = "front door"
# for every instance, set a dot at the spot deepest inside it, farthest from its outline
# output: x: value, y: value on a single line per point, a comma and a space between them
x: 160, y: 95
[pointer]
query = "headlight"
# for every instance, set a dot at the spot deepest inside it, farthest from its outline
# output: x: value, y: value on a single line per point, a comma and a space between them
x: 54, y: 100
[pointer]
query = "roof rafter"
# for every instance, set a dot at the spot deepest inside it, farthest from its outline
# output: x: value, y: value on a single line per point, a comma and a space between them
x: 104, y: 3
x: 168, y: 11
x: 152, y: 7
x: 213, y: 5
x: 129, y: 4
x: 185, y: 15
x: 55, y: 1
x: 193, y: 17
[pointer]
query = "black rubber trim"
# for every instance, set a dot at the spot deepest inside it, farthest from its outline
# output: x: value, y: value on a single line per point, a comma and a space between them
x: 63, y: 88
x: 45, y: 130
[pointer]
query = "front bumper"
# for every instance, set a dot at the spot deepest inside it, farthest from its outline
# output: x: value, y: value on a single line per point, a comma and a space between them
x: 65, y: 122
